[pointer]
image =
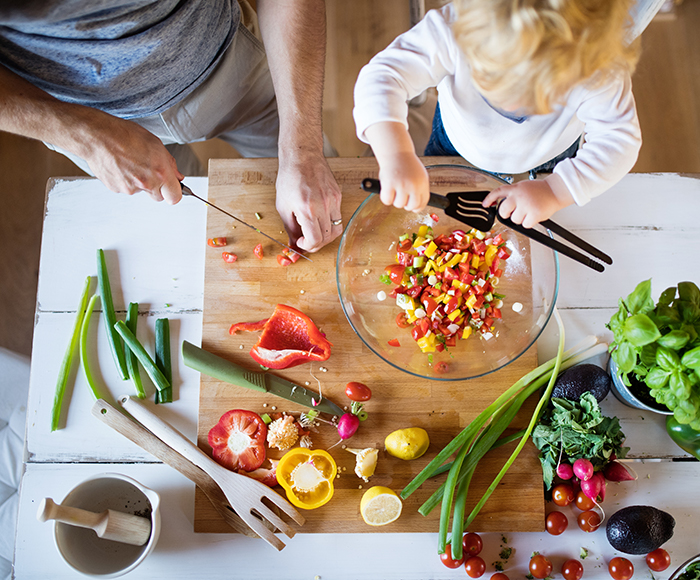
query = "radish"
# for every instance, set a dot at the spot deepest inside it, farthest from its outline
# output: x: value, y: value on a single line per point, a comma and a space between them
x: 615, y: 471
x: 347, y: 425
x: 583, y: 469
x: 565, y: 471
x: 601, y: 478
x: 591, y: 487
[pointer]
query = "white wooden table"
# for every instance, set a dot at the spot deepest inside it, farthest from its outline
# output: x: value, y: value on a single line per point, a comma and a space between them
x: 648, y: 223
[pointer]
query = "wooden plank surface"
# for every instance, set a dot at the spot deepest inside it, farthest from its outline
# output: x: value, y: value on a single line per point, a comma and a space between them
x: 249, y: 289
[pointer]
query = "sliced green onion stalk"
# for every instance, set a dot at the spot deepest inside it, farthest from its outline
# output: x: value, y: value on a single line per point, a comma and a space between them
x: 485, y: 433
x: 145, y: 359
x: 132, y: 363
x: 115, y: 343
x: 69, y: 356
x: 163, y: 359
x: 84, y: 359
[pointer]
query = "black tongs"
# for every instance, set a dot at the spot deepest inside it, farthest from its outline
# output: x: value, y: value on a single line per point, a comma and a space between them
x: 466, y: 207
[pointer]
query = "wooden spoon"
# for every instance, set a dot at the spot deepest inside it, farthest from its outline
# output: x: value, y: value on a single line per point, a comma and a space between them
x: 108, y: 525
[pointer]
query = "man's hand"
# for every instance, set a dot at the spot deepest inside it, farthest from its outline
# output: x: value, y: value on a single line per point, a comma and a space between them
x: 308, y: 201
x: 527, y: 202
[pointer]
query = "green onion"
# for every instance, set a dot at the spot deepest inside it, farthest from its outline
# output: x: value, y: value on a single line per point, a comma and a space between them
x: 266, y: 418
x: 132, y: 363
x: 83, y: 347
x: 68, y: 357
x: 146, y: 361
x: 105, y: 290
x: 163, y: 359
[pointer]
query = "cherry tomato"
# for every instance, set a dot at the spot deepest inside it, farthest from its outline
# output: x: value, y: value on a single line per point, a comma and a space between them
x: 540, y: 567
x: 229, y: 257
x: 283, y: 260
x: 402, y: 321
x: 446, y: 558
x: 475, y: 566
x: 583, y: 502
x: 258, y: 251
x: 395, y: 272
x: 358, y: 391
x: 217, y: 242
x: 658, y: 560
x: 620, y: 568
x: 441, y: 368
x: 499, y: 576
x: 394, y: 342
x: 472, y: 544
x: 572, y: 570
x: 588, y: 521
x: 563, y: 494
x: 556, y: 523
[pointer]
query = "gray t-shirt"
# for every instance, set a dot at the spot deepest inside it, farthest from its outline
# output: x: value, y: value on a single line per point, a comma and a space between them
x: 130, y: 58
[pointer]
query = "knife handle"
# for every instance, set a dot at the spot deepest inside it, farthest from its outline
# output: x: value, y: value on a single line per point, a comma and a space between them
x: 220, y: 368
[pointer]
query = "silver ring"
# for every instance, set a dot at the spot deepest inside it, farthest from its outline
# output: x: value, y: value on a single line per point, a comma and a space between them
x: 337, y: 222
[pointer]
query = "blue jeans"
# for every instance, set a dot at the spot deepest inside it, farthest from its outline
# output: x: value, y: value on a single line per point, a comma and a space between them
x: 439, y: 144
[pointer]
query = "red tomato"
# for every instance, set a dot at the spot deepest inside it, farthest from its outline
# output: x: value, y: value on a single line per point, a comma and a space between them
x: 589, y: 521
x: 472, y: 544
x: 229, y: 257
x: 499, y: 576
x: 475, y: 566
x: 258, y: 251
x: 563, y: 494
x: 238, y: 440
x: 358, y: 391
x: 620, y: 569
x: 395, y: 272
x: 402, y: 321
x: 446, y: 558
x: 217, y: 242
x: 572, y: 570
x: 658, y: 560
x: 441, y: 368
x: 540, y: 567
x: 556, y: 523
x: 283, y: 260
x: 583, y: 502
x: 394, y: 342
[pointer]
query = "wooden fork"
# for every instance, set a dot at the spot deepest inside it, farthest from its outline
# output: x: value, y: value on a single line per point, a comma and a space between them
x: 245, y: 495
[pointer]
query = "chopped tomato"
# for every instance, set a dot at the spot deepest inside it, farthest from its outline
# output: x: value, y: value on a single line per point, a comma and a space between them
x: 283, y: 260
x: 238, y: 440
x: 402, y: 321
x: 441, y: 368
x: 217, y: 242
x: 258, y: 251
x: 229, y: 257
x: 394, y: 342
x: 395, y: 272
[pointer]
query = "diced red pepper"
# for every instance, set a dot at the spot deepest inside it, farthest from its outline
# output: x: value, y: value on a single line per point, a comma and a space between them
x: 497, y: 313
x: 449, y: 274
x: 394, y: 342
x: 452, y: 304
x: 434, y: 217
x: 503, y: 253
x: 451, y: 341
x: 415, y: 291
x: 439, y: 347
x: 429, y: 304
x: 258, y: 251
x: 229, y: 257
x: 405, y: 245
x: 479, y: 247
x: 217, y: 242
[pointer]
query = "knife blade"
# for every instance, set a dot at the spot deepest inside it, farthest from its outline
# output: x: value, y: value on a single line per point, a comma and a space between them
x: 224, y: 370
x: 187, y: 191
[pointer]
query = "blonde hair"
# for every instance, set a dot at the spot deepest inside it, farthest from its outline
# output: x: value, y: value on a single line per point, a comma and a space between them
x: 533, y: 52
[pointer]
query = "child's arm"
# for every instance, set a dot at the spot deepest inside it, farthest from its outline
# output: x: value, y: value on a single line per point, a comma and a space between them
x: 530, y: 202
x: 402, y: 175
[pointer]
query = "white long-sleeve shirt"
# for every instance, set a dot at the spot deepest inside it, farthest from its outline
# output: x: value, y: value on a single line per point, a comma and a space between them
x: 428, y: 56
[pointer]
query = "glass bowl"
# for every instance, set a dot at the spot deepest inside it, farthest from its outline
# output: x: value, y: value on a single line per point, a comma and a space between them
x: 368, y: 245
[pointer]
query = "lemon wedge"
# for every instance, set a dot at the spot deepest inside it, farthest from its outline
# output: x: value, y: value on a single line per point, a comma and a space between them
x: 380, y: 506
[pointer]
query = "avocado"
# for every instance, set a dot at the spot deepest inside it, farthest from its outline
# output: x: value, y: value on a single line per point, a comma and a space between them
x: 639, y: 529
x: 575, y: 381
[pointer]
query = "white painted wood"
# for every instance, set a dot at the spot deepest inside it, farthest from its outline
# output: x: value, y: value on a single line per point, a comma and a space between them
x: 180, y: 553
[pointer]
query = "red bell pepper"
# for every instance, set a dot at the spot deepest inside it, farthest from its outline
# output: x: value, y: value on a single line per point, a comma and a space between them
x: 289, y: 338
x: 238, y: 440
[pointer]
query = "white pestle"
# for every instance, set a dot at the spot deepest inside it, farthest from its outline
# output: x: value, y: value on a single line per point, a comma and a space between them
x: 108, y: 525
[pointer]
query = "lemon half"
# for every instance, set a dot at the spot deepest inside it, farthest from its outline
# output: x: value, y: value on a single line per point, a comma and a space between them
x: 380, y: 506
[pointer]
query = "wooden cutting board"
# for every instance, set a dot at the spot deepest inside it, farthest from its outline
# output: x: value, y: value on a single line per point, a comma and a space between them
x: 249, y: 289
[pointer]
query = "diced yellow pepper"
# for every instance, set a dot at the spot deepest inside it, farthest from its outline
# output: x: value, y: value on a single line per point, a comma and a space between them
x: 491, y: 252
x: 454, y: 314
x: 430, y: 250
x: 476, y: 260
x: 419, y: 241
x: 454, y: 260
x: 422, y: 230
x: 464, y: 258
x: 467, y: 332
x: 411, y: 316
x: 471, y: 301
x: 461, y: 286
x: 426, y: 343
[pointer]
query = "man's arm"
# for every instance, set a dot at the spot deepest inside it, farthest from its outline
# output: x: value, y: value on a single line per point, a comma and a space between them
x: 122, y: 154
x: 308, y: 197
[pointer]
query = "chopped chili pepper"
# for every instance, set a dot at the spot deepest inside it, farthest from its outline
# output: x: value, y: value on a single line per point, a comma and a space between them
x: 258, y: 251
x: 229, y: 257
x: 307, y: 476
x: 217, y: 242
x: 289, y: 338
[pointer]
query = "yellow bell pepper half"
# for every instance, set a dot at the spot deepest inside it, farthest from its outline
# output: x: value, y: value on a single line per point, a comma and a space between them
x: 307, y: 476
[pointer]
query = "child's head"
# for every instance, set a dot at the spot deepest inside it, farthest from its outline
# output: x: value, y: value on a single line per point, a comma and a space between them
x: 530, y: 53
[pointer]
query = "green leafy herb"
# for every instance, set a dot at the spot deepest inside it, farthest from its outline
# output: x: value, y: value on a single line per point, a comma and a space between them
x: 659, y: 344
x: 506, y: 553
x: 584, y: 553
x: 571, y: 430
x: 692, y: 572
x: 497, y: 566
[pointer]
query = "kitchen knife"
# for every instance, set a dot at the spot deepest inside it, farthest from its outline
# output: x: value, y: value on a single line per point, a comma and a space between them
x: 187, y: 191
x: 264, y: 382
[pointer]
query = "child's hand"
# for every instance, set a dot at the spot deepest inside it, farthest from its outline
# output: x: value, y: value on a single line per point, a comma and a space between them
x: 527, y: 202
x: 404, y: 180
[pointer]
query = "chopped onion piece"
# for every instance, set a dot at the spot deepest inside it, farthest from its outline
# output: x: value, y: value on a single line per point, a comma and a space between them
x: 432, y: 279
x: 381, y: 295
x: 420, y: 313
x: 517, y: 307
x: 453, y: 328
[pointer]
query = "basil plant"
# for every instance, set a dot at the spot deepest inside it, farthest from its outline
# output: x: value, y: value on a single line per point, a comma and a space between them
x: 659, y: 344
